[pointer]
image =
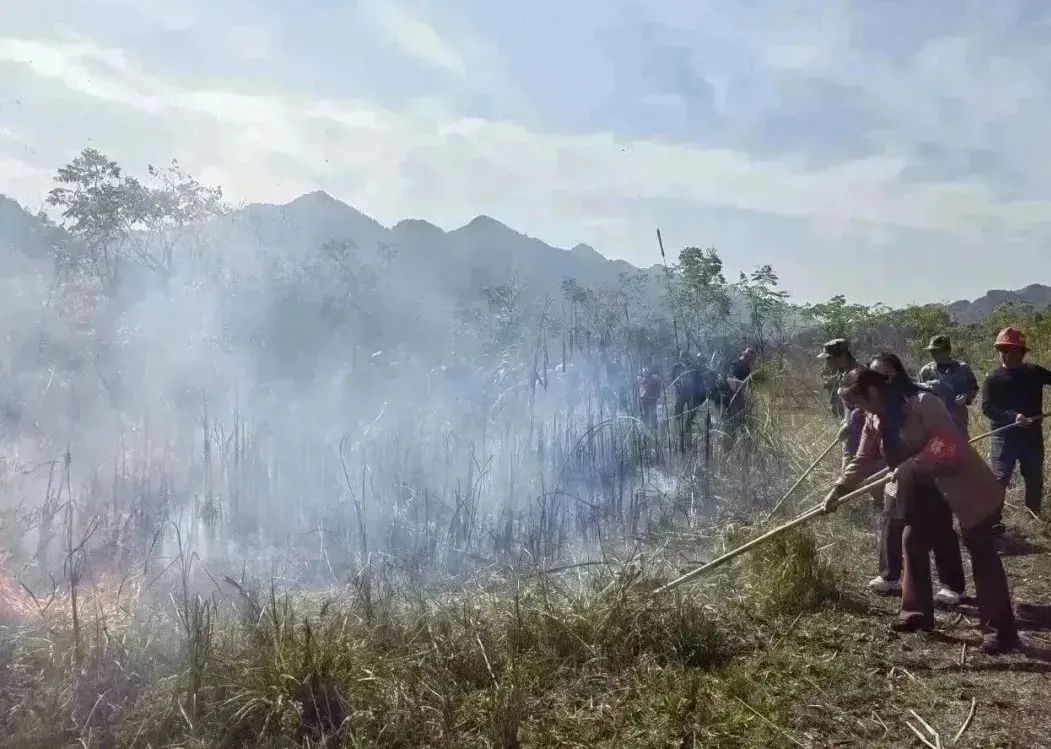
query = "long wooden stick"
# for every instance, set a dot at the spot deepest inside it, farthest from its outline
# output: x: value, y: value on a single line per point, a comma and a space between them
x: 882, y: 478
x: 800, y: 480
x: 878, y: 479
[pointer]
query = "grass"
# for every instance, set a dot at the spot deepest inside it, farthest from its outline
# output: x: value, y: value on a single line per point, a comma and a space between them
x: 779, y: 648
x: 593, y: 661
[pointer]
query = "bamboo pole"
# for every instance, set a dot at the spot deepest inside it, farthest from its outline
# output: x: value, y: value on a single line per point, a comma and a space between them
x: 876, y: 480
x: 800, y: 480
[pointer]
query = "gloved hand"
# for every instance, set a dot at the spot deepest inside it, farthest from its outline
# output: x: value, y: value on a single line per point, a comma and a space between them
x: 832, y: 499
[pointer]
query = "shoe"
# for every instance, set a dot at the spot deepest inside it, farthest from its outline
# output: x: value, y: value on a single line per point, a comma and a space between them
x: 913, y: 623
x: 993, y: 645
x: 885, y: 587
x: 947, y: 597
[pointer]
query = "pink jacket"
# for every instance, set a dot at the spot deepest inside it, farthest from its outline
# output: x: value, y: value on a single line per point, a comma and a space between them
x: 934, y: 450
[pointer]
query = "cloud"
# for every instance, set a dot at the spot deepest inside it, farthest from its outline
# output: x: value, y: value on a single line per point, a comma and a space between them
x: 482, y: 159
x: 431, y: 162
x: 416, y: 38
x: 250, y: 42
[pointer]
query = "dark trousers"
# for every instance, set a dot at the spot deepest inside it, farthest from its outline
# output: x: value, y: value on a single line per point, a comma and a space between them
x: 686, y: 410
x: 649, y: 412
x: 935, y: 517
x: 1025, y: 450
x: 990, y: 582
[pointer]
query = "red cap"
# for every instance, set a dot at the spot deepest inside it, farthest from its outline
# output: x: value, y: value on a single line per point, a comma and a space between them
x: 1011, y: 338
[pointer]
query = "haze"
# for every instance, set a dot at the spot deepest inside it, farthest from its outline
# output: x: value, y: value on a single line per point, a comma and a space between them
x: 837, y: 143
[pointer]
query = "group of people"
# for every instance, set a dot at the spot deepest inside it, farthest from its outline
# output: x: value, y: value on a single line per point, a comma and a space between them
x: 919, y: 430
x: 695, y: 383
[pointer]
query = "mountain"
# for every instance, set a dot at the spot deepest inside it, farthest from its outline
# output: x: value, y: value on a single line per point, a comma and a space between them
x: 20, y: 231
x: 1037, y: 295
x: 434, y: 263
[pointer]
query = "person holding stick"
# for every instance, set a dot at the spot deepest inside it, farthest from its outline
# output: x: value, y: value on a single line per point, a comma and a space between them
x: 945, y: 545
x: 914, y: 434
x: 1013, y: 393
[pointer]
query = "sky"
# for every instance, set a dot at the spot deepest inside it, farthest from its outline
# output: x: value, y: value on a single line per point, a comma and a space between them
x: 886, y: 150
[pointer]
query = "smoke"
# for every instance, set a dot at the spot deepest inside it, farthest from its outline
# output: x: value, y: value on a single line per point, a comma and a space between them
x: 315, y: 403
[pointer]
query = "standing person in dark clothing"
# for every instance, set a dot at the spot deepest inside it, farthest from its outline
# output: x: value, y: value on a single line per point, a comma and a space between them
x: 839, y: 360
x: 649, y: 389
x: 1013, y: 393
x: 959, y: 385
x: 913, y: 433
x: 742, y: 368
x: 691, y: 379
x: 944, y: 543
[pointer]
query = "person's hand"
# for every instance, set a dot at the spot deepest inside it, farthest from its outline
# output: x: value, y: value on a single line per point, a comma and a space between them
x: 832, y: 499
x: 961, y: 400
x: 905, y: 473
x: 1022, y: 420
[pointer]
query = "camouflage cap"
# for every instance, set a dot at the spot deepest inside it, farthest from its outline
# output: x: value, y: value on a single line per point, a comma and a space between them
x: 835, y: 348
x: 940, y: 343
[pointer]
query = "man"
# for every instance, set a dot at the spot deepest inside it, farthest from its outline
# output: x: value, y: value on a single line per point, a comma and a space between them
x: 958, y: 385
x: 650, y: 388
x: 742, y: 368
x: 839, y: 361
x: 691, y: 379
x: 1014, y: 394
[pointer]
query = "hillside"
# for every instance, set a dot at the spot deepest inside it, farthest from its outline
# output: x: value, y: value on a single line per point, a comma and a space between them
x: 449, y: 264
x: 969, y: 313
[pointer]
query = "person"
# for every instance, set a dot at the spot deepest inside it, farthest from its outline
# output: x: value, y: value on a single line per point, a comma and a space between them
x: 960, y: 386
x: 838, y: 362
x: 914, y: 434
x: 1013, y: 393
x: 649, y: 389
x: 742, y: 368
x: 691, y: 378
x: 945, y: 545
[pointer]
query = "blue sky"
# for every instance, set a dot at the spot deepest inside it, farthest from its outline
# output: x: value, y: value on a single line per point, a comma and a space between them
x: 892, y: 151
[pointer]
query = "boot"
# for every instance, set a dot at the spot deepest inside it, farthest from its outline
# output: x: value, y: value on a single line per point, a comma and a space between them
x: 996, y: 645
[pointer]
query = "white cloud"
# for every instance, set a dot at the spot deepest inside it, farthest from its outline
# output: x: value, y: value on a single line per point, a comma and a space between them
x: 416, y: 38
x: 250, y: 42
x: 591, y: 187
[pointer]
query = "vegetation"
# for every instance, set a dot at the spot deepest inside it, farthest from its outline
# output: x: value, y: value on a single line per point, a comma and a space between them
x: 260, y: 503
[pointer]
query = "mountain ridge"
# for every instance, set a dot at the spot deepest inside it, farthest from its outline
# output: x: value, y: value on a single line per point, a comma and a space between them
x: 482, y: 251
x: 969, y: 312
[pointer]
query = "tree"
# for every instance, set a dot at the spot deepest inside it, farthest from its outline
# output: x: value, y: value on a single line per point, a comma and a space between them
x: 179, y: 205
x: 767, y: 303
x: 116, y: 219
x: 101, y: 208
x: 701, y: 293
x: 838, y: 319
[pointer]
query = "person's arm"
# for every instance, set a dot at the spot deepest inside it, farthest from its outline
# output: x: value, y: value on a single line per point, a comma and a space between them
x: 970, y: 382
x: 866, y: 460
x: 990, y: 408
x: 1043, y: 374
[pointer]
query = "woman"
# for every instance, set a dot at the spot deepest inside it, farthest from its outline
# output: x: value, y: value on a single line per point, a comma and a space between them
x: 913, y: 432
x: 933, y: 510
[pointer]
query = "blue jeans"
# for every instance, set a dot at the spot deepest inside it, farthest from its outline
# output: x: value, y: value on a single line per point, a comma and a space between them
x: 1027, y: 452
